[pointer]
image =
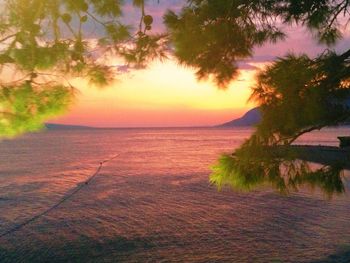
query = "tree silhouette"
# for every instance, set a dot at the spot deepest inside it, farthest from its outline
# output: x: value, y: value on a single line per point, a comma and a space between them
x: 45, y: 43
x: 225, y: 32
x: 297, y: 94
x: 254, y: 166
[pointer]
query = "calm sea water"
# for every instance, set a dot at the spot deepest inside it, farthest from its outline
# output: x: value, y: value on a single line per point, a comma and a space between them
x: 153, y: 203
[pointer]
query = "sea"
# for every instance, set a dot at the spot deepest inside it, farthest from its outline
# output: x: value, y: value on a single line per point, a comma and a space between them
x: 143, y: 195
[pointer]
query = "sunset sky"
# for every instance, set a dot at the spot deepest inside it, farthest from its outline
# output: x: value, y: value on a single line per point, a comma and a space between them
x: 168, y: 95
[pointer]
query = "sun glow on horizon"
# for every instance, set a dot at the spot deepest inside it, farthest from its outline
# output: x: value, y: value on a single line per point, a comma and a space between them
x: 165, y: 94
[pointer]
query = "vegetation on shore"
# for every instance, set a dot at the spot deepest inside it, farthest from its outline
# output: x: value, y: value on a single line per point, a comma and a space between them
x: 283, y: 168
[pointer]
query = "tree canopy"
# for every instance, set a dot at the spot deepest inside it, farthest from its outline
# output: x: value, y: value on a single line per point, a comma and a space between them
x: 45, y: 43
x: 225, y: 32
x: 297, y: 94
x: 253, y: 166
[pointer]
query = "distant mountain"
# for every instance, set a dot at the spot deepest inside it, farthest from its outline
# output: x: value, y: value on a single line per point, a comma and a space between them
x: 251, y: 118
x: 53, y: 126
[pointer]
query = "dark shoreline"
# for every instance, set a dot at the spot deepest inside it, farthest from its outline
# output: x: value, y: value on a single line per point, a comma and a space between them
x: 325, y: 155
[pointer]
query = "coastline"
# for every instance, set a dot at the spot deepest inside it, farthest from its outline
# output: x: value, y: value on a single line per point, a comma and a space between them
x: 325, y: 155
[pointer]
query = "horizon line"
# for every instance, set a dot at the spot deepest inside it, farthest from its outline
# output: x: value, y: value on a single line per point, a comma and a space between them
x: 125, y: 127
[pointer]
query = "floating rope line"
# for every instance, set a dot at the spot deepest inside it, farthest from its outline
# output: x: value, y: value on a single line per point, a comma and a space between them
x: 64, y: 199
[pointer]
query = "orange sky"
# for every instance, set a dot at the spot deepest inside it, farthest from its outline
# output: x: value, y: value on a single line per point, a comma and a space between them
x: 163, y: 95
x: 166, y: 94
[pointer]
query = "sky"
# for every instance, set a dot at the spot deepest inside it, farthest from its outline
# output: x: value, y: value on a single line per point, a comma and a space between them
x: 168, y: 95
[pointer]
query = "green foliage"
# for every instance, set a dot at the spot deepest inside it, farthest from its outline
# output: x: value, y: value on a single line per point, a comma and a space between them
x: 100, y: 75
x: 39, y: 37
x: 47, y: 42
x: 224, y: 32
x: 321, y: 17
x: 319, y: 87
x: 25, y: 107
x: 228, y: 173
x: 253, y: 166
x: 144, y: 49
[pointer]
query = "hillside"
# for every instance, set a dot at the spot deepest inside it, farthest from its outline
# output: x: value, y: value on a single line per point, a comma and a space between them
x: 250, y: 118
